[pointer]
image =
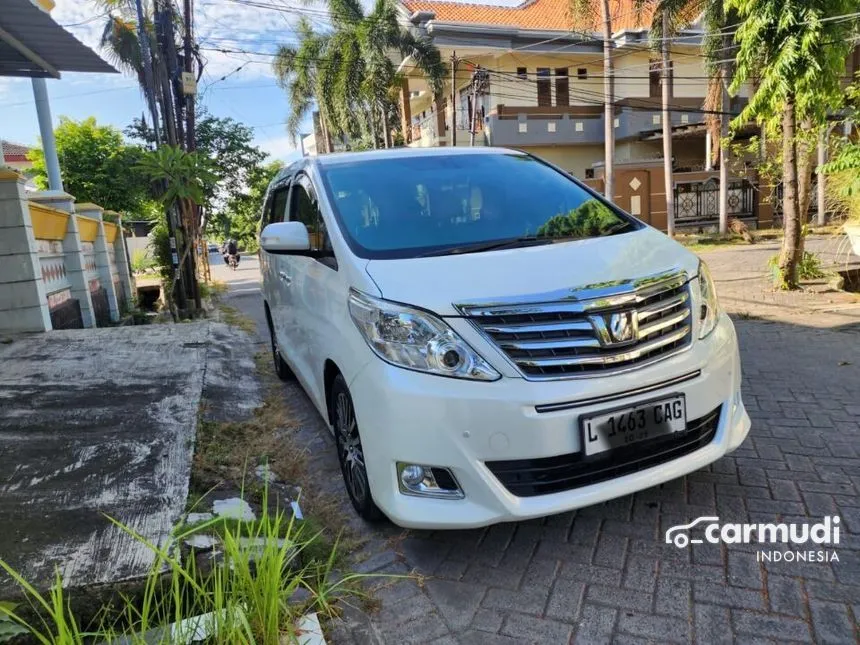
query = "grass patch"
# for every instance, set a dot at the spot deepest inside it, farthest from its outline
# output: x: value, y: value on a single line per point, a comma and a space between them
x: 249, y: 598
x: 213, y: 289
x: 235, y: 318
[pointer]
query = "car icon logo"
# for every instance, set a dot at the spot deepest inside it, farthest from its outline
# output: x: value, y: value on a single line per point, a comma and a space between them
x: 676, y: 535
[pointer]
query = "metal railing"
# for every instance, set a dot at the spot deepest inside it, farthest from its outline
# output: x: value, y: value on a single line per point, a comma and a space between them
x: 700, y: 201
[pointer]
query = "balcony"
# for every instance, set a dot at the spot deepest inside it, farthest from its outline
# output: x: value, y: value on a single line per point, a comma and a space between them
x: 579, y: 124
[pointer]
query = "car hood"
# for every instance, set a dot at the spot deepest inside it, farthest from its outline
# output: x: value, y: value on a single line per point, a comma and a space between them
x: 439, y: 283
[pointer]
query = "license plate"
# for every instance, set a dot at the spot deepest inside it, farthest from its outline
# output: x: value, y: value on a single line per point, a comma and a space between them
x: 609, y: 430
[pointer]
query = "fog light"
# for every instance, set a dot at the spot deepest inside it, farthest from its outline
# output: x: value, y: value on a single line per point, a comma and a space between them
x: 412, y: 475
x: 427, y: 481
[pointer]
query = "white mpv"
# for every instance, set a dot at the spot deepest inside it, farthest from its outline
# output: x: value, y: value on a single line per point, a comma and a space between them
x: 489, y: 339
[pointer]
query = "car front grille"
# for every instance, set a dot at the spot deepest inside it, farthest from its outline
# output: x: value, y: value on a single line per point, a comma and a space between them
x: 543, y: 476
x: 572, y: 334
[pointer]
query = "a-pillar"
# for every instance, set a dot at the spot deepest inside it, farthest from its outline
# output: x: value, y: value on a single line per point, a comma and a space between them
x: 103, y: 266
x: 23, y: 301
x: 123, y: 265
x: 405, y: 111
x: 72, y: 250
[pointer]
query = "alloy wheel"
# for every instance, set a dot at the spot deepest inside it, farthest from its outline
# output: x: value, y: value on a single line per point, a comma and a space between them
x: 350, y: 451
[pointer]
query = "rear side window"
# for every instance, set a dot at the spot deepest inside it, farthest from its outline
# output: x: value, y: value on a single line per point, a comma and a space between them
x: 278, y: 208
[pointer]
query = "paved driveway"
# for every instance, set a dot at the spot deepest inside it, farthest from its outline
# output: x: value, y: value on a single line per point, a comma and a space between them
x: 603, y: 574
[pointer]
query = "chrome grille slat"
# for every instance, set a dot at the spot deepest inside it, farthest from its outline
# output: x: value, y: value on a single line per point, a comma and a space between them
x: 550, y: 343
x: 568, y: 337
x: 663, y: 323
x: 660, y: 307
x: 610, y: 359
x: 532, y: 328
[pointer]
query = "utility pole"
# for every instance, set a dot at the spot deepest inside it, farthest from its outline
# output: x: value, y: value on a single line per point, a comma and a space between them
x: 189, y: 69
x: 480, y: 81
x: 608, y: 107
x: 724, y: 144
x: 454, y: 62
x: 667, y: 129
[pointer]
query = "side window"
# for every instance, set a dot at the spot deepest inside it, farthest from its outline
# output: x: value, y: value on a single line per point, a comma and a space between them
x: 278, y: 209
x: 304, y: 208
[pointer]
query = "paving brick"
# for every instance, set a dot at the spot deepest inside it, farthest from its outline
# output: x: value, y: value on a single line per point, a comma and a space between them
x: 832, y: 623
x: 565, y: 600
x: 493, y: 576
x: 611, y: 551
x: 487, y: 620
x: 540, y: 630
x: 591, y: 574
x: 673, y: 597
x: 457, y: 602
x: 728, y: 596
x: 622, y: 598
x: 596, y: 625
x: 656, y: 628
x: 786, y: 595
x: 779, y: 627
x: 640, y: 573
x: 712, y: 625
x: 473, y: 637
x: 744, y: 570
x: 530, y: 601
x: 784, y: 489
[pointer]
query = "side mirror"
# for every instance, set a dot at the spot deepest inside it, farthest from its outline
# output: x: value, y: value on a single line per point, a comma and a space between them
x: 285, y: 237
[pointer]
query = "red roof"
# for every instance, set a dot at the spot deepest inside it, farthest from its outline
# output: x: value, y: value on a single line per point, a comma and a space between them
x: 550, y: 15
x: 14, y: 151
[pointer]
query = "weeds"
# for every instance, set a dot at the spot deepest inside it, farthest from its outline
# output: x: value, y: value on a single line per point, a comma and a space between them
x: 809, y: 267
x: 246, y: 599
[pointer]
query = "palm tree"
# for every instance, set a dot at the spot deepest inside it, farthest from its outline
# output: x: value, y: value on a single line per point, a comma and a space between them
x: 797, y: 51
x: 348, y: 73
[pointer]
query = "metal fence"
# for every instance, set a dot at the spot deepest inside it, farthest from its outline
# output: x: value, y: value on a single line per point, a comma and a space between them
x: 700, y: 201
x: 67, y: 315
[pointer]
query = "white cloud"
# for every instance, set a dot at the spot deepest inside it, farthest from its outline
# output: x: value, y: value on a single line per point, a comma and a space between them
x: 279, y: 147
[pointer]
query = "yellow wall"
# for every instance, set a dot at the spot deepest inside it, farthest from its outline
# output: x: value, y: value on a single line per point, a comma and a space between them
x: 89, y: 228
x: 48, y: 223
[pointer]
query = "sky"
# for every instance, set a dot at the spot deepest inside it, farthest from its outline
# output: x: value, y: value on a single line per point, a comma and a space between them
x: 248, y: 93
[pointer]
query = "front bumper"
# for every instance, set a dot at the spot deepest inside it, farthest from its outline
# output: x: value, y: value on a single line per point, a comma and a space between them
x: 419, y: 418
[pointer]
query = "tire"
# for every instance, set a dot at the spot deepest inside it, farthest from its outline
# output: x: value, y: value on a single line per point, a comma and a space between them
x: 281, y: 368
x: 350, y: 452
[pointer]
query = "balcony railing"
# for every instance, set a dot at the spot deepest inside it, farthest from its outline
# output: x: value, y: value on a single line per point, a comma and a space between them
x: 699, y: 202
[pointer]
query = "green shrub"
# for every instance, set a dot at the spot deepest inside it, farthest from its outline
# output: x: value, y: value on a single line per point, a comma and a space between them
x: 809, y: 267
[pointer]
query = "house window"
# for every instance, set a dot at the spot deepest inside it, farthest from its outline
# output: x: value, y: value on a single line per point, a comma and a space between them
x: 655, y: 80
x: 582, y: 73
x: 562, y: 87
x: 544, y: 87
x: 522, y: 73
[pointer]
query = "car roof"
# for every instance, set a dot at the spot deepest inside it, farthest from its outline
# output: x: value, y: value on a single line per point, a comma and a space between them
x: 338, y: 158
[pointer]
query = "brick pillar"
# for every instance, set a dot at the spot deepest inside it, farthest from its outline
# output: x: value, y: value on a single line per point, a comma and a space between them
x: 123, y: 265
x: 405, y: 111
x: 103, y: 265
x: 23, y: 301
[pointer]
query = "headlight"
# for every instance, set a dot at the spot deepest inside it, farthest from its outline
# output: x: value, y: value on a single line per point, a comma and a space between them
x: 709, y: 308
x: 416, y: 339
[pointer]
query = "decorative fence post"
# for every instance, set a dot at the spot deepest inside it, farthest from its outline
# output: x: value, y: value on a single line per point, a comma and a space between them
x: 101, y: 277
x: 123, y: 265
x: 23, y: 301
x: 73, y: 252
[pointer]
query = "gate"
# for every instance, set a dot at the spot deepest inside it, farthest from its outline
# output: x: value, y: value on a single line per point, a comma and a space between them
x: 67, y: 315
x: 699, y: 203
x: 101, y: 309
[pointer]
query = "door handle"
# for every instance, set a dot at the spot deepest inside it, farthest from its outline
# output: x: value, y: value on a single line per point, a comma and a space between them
x: 287, y: 279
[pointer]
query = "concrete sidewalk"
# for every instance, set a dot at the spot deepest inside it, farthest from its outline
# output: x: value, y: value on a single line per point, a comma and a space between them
x: 93, y: 423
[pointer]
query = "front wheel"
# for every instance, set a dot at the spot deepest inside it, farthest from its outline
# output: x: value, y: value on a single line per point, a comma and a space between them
x: 281, y: 368
x: 350, y: 452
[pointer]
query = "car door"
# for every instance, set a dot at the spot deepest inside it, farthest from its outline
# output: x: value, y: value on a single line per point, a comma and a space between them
x: 314, y: 284
x: 271, y: 267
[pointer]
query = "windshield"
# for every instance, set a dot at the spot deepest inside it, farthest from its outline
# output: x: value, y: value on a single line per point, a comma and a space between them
x: 448, y: 204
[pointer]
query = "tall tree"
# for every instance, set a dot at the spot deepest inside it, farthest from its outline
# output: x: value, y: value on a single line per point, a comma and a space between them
x: 796, y: 50
x: 348, y: 73
x: 99, y: 167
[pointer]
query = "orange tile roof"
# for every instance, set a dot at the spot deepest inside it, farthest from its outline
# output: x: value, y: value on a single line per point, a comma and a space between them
x: 537, y: 14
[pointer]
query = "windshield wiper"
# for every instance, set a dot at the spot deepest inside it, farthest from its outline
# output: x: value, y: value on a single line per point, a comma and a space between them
x: 479, y: 247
